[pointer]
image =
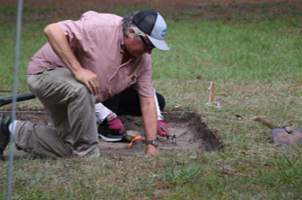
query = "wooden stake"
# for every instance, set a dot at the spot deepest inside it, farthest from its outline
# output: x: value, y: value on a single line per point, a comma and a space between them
x: 211, y: 93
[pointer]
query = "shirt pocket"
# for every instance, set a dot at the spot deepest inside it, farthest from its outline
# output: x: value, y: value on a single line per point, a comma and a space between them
x: 131, y: 80
x: 118, y: 86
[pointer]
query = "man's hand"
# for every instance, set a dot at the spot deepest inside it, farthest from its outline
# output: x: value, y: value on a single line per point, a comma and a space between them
x: 150, y: 149
x: 114, y: 123
x: 162, y: 128
x: 60, y: 45
x: 89, y: 79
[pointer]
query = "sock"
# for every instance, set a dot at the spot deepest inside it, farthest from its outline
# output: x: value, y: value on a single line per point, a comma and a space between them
x: 12, y: 127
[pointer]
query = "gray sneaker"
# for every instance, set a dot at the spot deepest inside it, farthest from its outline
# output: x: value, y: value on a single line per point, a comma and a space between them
x: 4, y: 133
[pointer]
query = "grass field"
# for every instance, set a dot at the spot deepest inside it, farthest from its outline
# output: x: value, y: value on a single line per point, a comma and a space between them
x: 254, y: 56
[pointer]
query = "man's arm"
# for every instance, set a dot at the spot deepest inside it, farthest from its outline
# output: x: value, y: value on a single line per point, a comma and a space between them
x: 59, y: 44
x: 150, y: 121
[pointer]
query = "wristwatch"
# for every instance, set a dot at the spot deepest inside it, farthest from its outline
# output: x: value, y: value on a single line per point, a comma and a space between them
x: 153, y: 142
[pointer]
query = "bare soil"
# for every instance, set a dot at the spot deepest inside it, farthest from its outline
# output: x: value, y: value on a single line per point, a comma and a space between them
x: 192, y: 134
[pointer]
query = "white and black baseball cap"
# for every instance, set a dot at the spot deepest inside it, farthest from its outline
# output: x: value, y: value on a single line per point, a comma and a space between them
x: 154, y: 25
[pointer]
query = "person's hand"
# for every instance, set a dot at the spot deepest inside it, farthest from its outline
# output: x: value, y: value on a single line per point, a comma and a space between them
x: 89, y: 79
x: 162, y: 128
x: 150, y: 149
x: 114, y: 123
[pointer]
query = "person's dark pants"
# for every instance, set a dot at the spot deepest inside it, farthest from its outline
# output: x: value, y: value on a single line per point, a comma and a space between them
x: 127, y: 103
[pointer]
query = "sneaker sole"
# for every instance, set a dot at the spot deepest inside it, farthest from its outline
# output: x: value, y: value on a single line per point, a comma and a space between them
x: 111, y: 139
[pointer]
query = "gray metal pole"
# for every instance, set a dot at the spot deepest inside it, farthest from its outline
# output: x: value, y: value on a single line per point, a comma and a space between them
x: 15, y: 88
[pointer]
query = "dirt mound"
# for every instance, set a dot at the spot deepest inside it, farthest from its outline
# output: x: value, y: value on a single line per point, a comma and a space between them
x: 192, y: 134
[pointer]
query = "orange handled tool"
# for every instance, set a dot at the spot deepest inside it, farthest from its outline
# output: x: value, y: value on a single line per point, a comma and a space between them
x: 138, y: 137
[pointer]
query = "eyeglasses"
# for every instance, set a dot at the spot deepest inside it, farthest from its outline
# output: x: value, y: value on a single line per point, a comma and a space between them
x: 148, y: 46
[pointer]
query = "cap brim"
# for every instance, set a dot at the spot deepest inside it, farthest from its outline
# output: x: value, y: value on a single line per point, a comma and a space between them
x: 159, y: 44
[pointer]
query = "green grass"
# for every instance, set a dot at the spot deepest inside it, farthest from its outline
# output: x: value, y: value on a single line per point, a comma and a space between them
x: 32, y: 39
x: 256, y: 63
x: 230, y: 52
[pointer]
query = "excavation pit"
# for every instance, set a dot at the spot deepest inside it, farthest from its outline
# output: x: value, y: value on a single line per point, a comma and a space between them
x: 192, y: 134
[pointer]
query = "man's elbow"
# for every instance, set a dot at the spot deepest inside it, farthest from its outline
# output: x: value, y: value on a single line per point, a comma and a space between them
x: 50, y: 29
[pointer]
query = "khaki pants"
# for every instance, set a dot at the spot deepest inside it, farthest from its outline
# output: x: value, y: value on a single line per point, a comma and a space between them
x: 71, y: 108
